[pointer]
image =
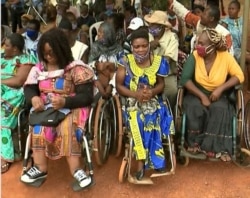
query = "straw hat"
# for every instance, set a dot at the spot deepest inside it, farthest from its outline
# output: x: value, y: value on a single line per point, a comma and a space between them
x: 27, y: 16
x: 158, y: 17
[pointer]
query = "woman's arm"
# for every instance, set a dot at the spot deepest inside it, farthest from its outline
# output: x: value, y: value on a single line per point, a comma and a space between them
x: 121, y: 89
x: 19, y: 78
x: 83, y: 98
x: 159, y: 86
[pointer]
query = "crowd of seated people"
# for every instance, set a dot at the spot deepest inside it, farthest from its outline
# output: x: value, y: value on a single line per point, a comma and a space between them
x: 129, y: 39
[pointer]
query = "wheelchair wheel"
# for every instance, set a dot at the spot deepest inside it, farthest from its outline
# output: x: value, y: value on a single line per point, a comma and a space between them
x: 247, y: 125
x: 102, y: 132
x: 123, y: 173
x: 178, y: 110
x: 119, y: 128
x: 114, y: 126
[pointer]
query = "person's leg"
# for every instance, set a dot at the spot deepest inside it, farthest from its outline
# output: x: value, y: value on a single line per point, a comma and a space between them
x: 38, y: 172
x: 19, y: 21
x: 13, y: 20
x: 4, y: 15
x: 40, y: 160
x: 77, y: 172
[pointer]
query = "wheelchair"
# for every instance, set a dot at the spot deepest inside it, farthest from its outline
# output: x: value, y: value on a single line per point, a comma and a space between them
x: 103, y: 126
x: 237, y: 131
x: 87, y: 148
x: 125, y: 139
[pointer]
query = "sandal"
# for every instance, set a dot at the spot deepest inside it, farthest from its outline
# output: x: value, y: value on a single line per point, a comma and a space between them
x: 225, y: 157
x: 5, y: 167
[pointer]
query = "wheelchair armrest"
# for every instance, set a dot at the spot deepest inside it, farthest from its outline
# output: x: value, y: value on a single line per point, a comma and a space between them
x: 238, y: 87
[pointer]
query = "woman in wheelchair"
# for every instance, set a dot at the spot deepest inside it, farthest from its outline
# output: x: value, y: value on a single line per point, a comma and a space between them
x: 140, y: 78
x: 67, y: 86
x: 15, y: 67
x: 104, y: 53
x: 208, y: 109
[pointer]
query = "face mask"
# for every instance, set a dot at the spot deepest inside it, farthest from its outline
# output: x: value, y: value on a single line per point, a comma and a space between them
x: 32, y: 33
x: 155, y: 31
x: 141, y: 58
x: 110, y: 7
x: 74, y: 26
x: 203, y: 51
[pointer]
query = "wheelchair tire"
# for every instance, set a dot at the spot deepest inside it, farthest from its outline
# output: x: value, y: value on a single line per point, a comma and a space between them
x: 101, y: 127
x: 123, y: 173
x: 114, y: 126
x: 119, y: 125
x: 247, y: 125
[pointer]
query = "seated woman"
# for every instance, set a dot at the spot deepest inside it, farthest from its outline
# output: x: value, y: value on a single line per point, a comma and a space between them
x: 63, y: 83
x: 15, y: 67
x: 140, y: 78
x: 208, y: 73
x: 104, y: 55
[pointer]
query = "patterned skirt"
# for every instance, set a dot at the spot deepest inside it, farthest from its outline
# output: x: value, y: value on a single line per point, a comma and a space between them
x: 61, y: 140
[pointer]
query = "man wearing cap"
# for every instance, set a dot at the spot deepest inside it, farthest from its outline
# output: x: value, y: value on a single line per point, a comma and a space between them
x: 164, y: 43
x: 135, y: 24
x: 25, y: 18
x: 209, y: 18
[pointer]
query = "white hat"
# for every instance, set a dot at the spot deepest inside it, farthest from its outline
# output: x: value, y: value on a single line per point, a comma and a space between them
x: 135, y: 23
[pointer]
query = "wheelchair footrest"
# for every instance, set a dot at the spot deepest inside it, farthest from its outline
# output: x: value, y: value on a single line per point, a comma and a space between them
x: 162, y: 174
x: 144, y: 181
x: 36, y: 183
x: 191, y: 155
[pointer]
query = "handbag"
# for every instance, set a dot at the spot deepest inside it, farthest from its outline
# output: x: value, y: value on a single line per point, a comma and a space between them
x: 49, y: 117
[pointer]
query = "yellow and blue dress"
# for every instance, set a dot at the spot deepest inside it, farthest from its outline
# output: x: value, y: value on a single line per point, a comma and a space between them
x: 149, y: 122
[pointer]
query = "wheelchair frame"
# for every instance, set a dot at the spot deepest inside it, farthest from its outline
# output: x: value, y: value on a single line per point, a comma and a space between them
x: 180, y: 123
x: 125, y: 168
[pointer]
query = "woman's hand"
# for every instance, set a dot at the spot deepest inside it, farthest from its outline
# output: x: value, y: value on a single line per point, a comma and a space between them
x: 140, y: 95
x: 58, y: 102
x: 205, y: 101
x: 147, y: 94
x: 37, y: 103
x: 215, y: 95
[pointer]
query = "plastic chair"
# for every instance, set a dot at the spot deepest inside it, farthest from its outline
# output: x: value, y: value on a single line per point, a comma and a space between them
x: 94, y: 26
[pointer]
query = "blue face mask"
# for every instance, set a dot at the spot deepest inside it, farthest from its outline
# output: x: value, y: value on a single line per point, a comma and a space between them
x: 32, y: 33
x: 155, y: 31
